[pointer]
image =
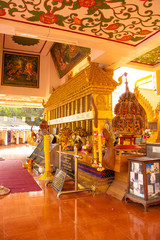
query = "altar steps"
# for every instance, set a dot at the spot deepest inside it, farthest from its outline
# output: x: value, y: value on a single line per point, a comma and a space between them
x: 117, y: 189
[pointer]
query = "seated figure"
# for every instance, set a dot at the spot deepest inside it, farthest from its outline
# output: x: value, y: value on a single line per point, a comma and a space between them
x: 43, y: 130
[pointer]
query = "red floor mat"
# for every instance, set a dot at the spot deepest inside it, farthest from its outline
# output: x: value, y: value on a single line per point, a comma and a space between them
x: 16, y: 178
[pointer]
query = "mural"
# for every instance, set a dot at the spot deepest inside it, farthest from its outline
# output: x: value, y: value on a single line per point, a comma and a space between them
x: 66, y: 56
x: 123, y: 21
x: 151, y: 58
x: 20, y: 70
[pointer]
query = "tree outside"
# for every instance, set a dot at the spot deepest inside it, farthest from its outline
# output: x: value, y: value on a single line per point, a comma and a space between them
x: 32, y: 116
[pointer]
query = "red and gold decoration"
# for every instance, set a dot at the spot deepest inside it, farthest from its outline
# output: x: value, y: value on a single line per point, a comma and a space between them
x: 123, y: 21
x: 95, y: 147
x: 130, y: 119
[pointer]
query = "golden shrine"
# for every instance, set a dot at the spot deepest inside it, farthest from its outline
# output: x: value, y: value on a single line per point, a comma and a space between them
x: 130, y: 119
x: 70, y: 109
x: 71, y: 104
x: 129, y: 122
x: 83, y: 104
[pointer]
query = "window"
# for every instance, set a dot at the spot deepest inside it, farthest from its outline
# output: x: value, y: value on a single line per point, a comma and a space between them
x: 84, y: 104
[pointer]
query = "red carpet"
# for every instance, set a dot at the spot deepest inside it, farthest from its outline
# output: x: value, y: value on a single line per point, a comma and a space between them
x: 16, y: 178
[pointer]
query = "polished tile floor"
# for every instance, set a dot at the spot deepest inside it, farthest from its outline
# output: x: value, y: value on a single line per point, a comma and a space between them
x: 41, y: 216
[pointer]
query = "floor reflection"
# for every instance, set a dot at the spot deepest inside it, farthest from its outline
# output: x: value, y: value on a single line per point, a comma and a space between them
x: 42, y: 216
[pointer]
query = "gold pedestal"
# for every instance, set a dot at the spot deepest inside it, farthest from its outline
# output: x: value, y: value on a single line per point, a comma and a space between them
x: 46, y: 176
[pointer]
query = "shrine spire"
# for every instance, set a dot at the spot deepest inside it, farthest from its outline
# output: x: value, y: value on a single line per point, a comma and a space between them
x: 125, y: 75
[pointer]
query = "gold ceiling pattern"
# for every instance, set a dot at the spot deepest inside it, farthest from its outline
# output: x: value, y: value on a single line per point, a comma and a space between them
x: 150, y: 58
x: 124, y: 21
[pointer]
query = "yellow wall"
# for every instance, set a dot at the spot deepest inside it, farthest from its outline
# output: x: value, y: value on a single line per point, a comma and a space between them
x: 158, y: 81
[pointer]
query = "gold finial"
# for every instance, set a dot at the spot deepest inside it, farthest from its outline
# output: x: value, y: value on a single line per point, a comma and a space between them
x: 125, y: 75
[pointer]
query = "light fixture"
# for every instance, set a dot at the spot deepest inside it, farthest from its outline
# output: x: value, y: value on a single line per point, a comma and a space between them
x: 48, y: 38
x: 26, y: 35
x: 38, y: 104
x: 59, y: 40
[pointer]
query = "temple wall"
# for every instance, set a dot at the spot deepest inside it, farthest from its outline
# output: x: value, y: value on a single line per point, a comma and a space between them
x: 48, y: 77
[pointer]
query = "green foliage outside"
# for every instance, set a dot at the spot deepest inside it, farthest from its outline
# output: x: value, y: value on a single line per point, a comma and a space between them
x: 28, y: 113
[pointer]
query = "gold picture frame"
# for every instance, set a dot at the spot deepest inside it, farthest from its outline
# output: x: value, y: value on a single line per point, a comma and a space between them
x: 20, y: 70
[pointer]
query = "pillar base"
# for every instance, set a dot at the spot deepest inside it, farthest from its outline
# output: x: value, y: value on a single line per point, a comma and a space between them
x: 100, y: 168
x: 158, y: 137
x: 95, y: 164
x: 46, y: 176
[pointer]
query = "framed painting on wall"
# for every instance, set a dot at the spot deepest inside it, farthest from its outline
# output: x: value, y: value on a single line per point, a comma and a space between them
x: 20, y: 70
x: 66, y: 56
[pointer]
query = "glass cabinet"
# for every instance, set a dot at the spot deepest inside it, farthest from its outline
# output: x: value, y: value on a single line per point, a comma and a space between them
x: 144, y: 181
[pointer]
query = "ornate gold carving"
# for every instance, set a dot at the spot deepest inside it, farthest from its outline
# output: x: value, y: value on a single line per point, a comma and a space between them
x: 92, y: 79
x: 120, y: 80
x: 157, y: 110
x: 151, y: 115
x: 101, y: 102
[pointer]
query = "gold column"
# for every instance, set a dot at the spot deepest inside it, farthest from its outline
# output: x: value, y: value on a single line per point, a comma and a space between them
x: 49, y: 116
x: 81, y: 110
x: 61, y: 111
x: 55, y: 113
x: 45, y: 114
x: 87, y: 104
x: 95, y: 147
x: 87, y: 126
x: 47, y: 174
x: 58, y: 109
x: 81, y: 105
x: 69, y: 109
x: 73, y: 126
x: 76, y: 111
x: 65, y: 110
x: 76, y: 103
x: 67, y: 106
x: 158, y: 81
x: 100, y: 168
x: 73, y: 110
x: 82, y: 124
x: 158, y: 128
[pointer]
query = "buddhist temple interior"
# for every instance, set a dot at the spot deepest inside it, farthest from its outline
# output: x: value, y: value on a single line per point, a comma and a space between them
x: 94, y: 67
